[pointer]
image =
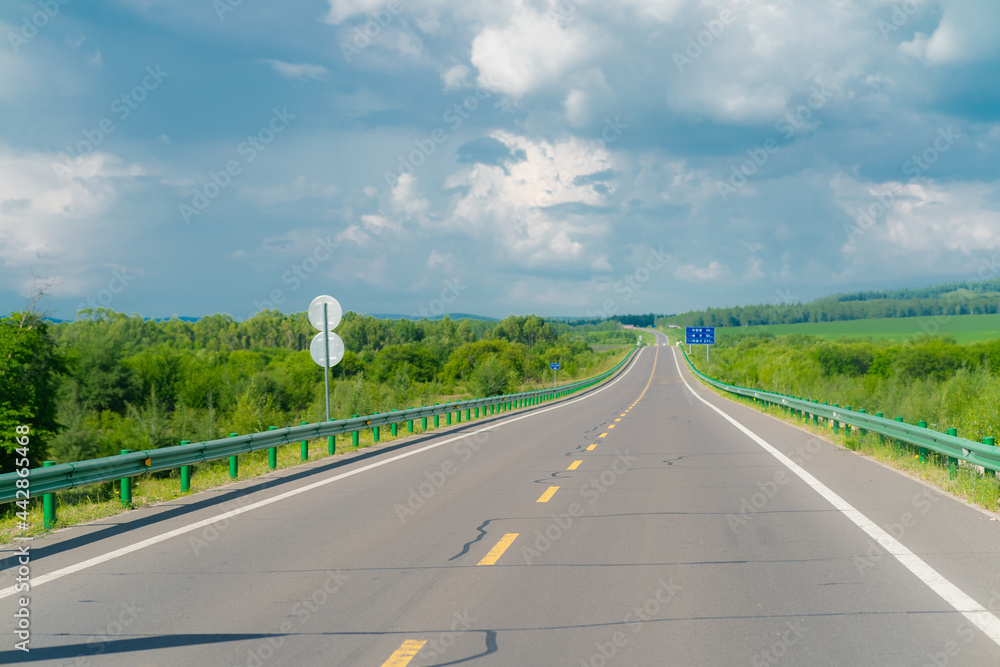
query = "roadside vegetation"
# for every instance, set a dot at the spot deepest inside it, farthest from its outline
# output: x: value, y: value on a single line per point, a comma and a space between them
x: 108, y: 382
x: 928, y: 378
x: 933, y: 379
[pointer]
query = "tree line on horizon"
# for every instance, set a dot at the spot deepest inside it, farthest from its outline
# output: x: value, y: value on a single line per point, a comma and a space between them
x: 960, y: 298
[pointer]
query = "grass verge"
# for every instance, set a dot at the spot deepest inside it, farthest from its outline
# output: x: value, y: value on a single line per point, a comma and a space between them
x: 968, y: 482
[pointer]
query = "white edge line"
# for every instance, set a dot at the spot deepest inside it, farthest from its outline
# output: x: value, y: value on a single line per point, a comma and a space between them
x: 111, y: 555
x: 977, y: 614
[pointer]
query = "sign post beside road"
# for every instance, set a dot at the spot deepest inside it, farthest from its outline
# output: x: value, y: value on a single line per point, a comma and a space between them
x: 325, y: 314
x: 700, y: 336
x: 555, y: 366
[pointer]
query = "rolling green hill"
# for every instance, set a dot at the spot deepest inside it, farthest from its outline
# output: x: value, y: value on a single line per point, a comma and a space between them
x: 965, y: 328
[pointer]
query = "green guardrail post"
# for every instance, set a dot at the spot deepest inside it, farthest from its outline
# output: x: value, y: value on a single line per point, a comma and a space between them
x: 272, y: 452
x: 921, y: 451
x: 355, y: 435
x: 394, y: 428
x: 437, y: 421
x: 862, y: 431
x: 447, y: 418
x: 881, y: 436
x: 847, y: 427
x: 423, y: 423
x: 900, y: 446
x: 48, y: 503
x: 375, y: 434
x: 836, y: 423
x: 409, y: 423
x: 331, y: 444
x: 477, y: 412
x: 991, y: 441
x: 458, y: 416
x: 185, y: 473
x: 234, y: 462
x: 304, y: 447
x: 952, y: 461
x: 126, y: 486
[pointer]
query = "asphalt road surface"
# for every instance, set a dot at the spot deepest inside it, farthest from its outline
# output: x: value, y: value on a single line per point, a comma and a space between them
x: 630, y: 525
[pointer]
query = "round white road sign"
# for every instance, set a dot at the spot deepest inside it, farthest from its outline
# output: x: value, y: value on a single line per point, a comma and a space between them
x: 334, y: 313
x: 317, y: 348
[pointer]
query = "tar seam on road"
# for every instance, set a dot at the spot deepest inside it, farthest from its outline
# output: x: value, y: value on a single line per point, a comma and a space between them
x: 156, y: 539
x: 976, y: 613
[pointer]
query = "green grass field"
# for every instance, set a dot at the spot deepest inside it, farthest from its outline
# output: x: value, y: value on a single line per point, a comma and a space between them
x: 965, y: 328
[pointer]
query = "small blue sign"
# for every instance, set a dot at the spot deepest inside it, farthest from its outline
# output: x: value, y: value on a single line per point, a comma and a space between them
x: 700, y: 335
x: 555, y: 365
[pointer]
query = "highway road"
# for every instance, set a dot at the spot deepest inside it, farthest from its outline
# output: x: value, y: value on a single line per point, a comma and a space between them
x: 635, y: 524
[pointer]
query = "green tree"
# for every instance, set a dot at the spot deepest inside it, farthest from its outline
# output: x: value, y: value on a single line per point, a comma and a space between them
x: 465, y: 359
x: 100, y: 380
x: 30, y: 368
x: 492, y: 377
x: 418, y: 363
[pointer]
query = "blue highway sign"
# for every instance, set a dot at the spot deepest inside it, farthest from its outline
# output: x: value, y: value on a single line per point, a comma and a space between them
x: 700, y: 335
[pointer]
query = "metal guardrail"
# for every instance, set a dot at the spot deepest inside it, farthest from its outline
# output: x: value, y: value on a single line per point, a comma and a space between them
x: 983, y: 454
x: 64, y: 476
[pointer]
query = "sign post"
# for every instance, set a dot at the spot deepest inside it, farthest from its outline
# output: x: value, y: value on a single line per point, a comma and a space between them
x: 555, y: 366
x: 325, y: 314
x: 700, y: 336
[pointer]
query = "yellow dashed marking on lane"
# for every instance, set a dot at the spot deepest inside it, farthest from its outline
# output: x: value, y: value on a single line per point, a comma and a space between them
x: 575, y: 464
x: 592, y: 448
x: 549, y: 492
x: 497, y: 550
x: 602, y: 435
x: 405, y: 653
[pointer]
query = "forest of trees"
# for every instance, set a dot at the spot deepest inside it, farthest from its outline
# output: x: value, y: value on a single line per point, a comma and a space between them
x: 966, y: 298
x: 108, y: 381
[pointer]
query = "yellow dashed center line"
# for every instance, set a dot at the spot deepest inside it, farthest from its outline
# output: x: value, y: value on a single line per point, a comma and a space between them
x: 611, y: 425
x: 619, y: 419
x: 405, y: 653
x: 592, y: 447
x: 497, y: 551
x: 549, y: 492
x: 574, y: 465
x: 602, y: 435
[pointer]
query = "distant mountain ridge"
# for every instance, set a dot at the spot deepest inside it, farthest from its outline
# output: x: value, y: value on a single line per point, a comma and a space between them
x: 434, y: 318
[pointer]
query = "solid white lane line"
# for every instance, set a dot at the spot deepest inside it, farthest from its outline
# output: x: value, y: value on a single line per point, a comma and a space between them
x: 977, y: 614
x: 111, y: 555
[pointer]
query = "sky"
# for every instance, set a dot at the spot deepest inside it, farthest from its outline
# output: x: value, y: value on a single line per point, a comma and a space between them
x: 420, y: 157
